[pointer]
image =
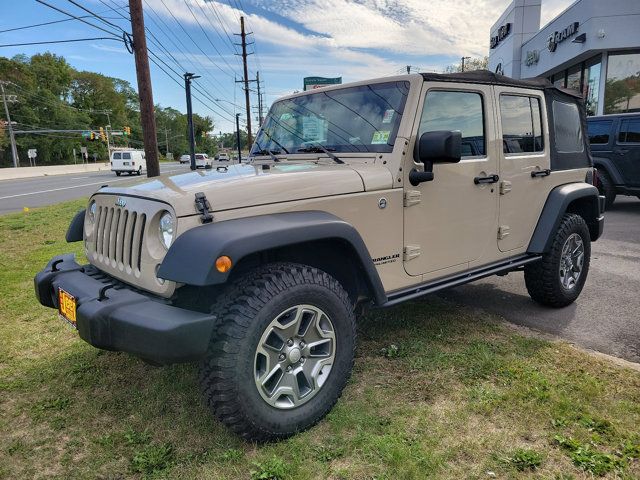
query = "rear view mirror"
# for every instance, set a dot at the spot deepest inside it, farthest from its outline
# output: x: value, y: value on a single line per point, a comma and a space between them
x: 442, y: 146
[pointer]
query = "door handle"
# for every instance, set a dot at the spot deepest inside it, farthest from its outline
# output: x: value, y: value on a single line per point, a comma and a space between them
x: 540, y: 173
x: 488, y: 179
x: 621, y: 151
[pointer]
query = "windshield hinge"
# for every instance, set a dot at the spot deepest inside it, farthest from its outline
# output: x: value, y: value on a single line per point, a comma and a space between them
x: 203, y: 206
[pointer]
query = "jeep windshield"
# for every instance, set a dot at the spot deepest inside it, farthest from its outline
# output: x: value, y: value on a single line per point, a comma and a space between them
x: 353, y: 119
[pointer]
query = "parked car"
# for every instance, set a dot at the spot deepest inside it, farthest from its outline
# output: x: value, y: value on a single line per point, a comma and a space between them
x: 258, y: 270
x: 615, y: 147
x: 223, y: 157
x: 186, y: 158
x: 203, y: 161
x: 128, y: 161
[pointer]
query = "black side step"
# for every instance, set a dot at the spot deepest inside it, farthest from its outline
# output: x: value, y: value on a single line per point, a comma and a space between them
x: 459, y: 279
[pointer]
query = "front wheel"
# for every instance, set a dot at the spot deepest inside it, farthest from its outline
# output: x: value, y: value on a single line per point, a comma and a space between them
x: 557, y: 280
x: 282, y: 353
x: 606, y: 188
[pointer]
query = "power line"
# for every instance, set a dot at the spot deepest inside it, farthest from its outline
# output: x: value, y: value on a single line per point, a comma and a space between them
x: 43, y: 24
x: 59, y: 41
x: 76, y: 17
x: 103, y: 20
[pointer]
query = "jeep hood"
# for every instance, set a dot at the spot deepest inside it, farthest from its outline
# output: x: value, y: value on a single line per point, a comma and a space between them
x: 238, y: 186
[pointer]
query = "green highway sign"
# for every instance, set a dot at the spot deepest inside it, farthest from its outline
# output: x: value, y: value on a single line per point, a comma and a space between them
x: 311, y: 83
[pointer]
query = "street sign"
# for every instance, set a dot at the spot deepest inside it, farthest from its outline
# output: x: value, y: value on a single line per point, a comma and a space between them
x: 311, y: 83
x: 32, y: 153
x: 117, y: 134
x: 83, y: 150
x: 86, y: 134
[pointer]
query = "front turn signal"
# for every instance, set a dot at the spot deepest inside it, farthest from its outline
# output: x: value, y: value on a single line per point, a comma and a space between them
x: 223, y: 264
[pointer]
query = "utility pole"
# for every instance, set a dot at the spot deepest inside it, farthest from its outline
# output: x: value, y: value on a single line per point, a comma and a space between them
x: 260, y: 105
x: 192, y: 138
x: 408, y: 68
x: 463, y: 59
x: 14, y: 149
x: 238, y: 137
x: 166, y: 141
x: 245, y: 80
x: 144, y: 88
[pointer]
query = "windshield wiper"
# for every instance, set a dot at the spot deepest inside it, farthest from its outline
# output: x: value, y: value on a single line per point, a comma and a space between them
x: 275, y: 141
x: 319, y: 148
x: 268, y: 152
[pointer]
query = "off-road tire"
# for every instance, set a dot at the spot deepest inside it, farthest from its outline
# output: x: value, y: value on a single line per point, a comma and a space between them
x: 542, y: 278
x: 243, y: 312
x: 606, y: 188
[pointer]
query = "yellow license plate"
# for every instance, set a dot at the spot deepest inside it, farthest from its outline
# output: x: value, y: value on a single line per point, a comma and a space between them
x: 67, y: 306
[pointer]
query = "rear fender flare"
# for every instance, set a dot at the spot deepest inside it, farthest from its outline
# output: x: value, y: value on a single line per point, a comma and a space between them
x: 602, y: 163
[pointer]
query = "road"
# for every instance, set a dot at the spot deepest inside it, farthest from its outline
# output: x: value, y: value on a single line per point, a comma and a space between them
x: 42, y: 191
x: 606, y: 317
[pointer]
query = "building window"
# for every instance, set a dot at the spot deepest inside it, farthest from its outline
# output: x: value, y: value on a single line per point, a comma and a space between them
x: 559, y: 79
x: 521, y: 124
x: 574, y: 76
x: 622, y: 89
x: 599, y: 132
x: 629, y: 131
x: 456, y: 111
x: 591, y: 84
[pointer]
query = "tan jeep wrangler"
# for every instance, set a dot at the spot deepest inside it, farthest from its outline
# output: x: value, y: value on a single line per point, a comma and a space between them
x: 370, y: 193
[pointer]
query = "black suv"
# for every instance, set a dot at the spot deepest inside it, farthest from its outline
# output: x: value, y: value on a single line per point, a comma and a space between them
x: 615, y: 146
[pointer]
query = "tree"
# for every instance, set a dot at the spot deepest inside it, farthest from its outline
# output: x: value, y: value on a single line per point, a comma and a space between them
x: 469, y: 64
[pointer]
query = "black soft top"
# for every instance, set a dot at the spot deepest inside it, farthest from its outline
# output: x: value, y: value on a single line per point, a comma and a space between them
x: 490, y: 78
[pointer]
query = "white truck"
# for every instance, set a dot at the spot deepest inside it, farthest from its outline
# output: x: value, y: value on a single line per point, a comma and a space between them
x: 128, y: 161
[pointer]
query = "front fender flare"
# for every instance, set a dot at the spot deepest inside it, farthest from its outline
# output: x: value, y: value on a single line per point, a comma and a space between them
x: 191, y: 258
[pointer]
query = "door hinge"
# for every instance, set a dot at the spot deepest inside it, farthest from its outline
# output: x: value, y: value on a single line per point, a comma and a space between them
x: 505, y: 187
x: 412, y: 197
x: 410, y: 252
x: 503, y: 231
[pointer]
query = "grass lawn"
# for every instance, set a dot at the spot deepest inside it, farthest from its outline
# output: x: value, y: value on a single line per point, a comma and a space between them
x: 437, y: 391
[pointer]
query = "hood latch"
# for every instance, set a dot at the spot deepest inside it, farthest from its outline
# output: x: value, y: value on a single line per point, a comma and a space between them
x: 204, y: 207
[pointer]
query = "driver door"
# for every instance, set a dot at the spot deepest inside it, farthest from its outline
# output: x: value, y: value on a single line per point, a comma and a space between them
x: 452, y: 221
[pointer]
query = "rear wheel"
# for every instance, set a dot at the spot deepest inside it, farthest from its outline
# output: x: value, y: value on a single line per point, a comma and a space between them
x: 282, y: 353
x: 118, y: 173
x: 606, y: 188
x: 139, y: 171
x: 557, y: 280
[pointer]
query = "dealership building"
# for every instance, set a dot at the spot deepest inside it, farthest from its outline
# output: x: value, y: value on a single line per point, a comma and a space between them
x: 593, y: 46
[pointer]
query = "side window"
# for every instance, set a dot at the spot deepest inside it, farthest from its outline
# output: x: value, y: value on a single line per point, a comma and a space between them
x: 599, y: 132
x: 126, y: 156
x: 567, y: 128
x: 629, y: 131
x: 521, y: 124
x: 449, y: 110
x: 116, y: 156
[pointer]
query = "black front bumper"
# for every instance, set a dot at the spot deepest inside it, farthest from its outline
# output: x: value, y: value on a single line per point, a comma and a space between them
x: 113, y: 316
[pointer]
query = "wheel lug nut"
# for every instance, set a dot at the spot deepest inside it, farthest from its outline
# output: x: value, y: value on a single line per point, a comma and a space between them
x: 302, y: 344
x: 289, y: 368
x: 290, y: 342
x: 282, y: 356
x: 302, y: 360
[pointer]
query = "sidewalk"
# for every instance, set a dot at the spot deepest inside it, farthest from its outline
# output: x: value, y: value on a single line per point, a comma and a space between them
x: 11, y: 173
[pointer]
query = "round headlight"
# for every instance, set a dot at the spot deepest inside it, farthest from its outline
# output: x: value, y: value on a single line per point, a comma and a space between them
x: 92, y: 211
x: 167, y: 228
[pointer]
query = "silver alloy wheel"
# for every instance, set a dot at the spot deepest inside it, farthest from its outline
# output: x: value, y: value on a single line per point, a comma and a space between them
x: 571, y: 261
x: 294, y: 356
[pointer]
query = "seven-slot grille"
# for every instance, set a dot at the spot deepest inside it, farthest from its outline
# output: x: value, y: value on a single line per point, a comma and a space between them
x: 119, y: 237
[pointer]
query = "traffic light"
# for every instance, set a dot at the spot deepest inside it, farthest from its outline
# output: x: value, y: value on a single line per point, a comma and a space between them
x: 103, y: 137
x: 92, y: 136
x: 127, y: 130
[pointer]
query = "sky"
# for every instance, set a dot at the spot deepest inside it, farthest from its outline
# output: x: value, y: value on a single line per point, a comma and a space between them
x: 292, y: 39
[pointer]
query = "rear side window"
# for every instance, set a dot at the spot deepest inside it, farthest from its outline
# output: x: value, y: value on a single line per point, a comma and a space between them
x: 456, y: 111
x: 567, y: 128
x: 629, y: 131
x: 599, y: 132
x: 126, y: 156
x: 116, y: 156
x: 521, y: 124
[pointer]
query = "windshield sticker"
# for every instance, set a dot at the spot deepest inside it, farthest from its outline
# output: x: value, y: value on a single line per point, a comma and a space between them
x: 388, y: 115
x: 380, y: 137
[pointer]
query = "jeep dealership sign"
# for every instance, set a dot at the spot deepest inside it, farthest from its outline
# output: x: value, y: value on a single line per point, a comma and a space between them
x: 500, y: 35
x: 558, y: 37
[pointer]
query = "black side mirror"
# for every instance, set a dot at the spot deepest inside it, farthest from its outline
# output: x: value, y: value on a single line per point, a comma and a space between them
x: 442, y: 146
